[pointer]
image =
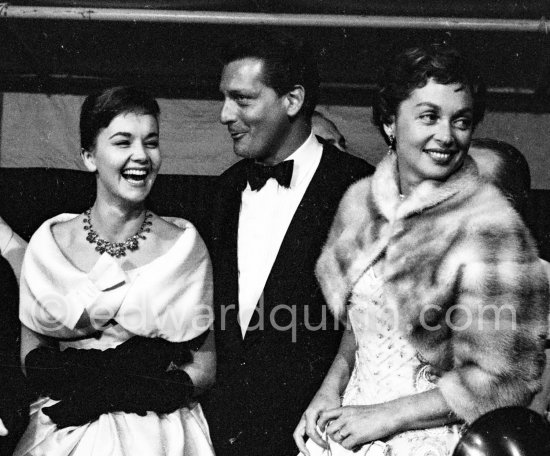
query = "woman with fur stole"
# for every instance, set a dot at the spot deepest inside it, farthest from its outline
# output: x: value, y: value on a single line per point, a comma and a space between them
x: 435, y: 275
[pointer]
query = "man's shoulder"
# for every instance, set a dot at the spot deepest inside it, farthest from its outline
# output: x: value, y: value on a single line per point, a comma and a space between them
x: 232, y: 176
x: 344, y: 164
x: 234, y: 170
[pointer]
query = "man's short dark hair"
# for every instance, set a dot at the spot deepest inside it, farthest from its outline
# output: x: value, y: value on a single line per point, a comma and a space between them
x: 511, y: 173
x: 287, y: 61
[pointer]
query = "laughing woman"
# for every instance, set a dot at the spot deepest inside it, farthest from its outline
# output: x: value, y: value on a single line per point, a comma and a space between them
x: 436, y: 275
x: 116, y: 305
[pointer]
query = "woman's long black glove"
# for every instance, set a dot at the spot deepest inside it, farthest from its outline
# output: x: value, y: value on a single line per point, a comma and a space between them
x: 131, y: 378
x: 47, y: 372
x: 162, y: 393
x: 57, y: 374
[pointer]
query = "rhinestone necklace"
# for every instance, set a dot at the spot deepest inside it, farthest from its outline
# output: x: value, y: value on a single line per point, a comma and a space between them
x: 116, y: 249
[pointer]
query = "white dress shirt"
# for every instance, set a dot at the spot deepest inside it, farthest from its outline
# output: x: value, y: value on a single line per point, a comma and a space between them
x: 263, y: 221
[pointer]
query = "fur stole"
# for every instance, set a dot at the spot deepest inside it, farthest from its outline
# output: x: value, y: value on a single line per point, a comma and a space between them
x: 463, y: 273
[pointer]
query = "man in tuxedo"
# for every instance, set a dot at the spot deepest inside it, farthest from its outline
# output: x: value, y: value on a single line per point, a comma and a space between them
x: 275, y: 336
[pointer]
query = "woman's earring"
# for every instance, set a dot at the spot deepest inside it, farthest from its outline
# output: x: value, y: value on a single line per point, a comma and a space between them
x: 391, y: 145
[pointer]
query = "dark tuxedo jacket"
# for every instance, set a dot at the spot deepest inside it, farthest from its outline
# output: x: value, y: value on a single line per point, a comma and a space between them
x: 265, y: 382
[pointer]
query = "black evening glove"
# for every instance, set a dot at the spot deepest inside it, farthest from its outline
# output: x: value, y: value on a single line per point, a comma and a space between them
x: 84, y: 405
x: 163, y: 392
x: 132, y: 378
x: 147, y: 355
x: 47, y: 373
x: 57, y: 374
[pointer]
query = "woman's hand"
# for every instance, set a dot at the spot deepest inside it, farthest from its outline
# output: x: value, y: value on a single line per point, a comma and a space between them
x: 328, y: 396
x: 322, y: 402
x: 354, y: 426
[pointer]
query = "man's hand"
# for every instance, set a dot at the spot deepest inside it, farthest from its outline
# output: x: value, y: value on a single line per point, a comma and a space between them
x: 308, y: 423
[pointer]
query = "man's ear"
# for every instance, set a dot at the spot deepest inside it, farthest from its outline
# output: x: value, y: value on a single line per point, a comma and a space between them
x: 294, y: 100
x: 88, y: 157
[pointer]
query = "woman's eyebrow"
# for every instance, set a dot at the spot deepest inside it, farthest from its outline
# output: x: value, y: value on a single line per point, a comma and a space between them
x: 427, y: 104
x: 122, y: 133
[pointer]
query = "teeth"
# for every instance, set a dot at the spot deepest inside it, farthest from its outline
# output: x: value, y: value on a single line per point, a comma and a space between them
x: 439, y: 155
x: 135, y: 172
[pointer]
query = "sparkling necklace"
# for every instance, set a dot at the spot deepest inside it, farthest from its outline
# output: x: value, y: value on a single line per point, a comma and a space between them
x: 116, y: 249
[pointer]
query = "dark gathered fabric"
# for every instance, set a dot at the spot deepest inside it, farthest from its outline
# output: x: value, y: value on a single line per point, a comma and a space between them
x: 131, y: 378
x: 14, y: 399
x: 266, y: 381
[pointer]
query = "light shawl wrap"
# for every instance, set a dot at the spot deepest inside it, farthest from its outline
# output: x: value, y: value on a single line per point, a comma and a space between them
x: 170, y: 297
x: 461, y: 270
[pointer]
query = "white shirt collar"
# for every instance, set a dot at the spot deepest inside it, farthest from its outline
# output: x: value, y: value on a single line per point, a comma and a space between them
x: 306, y: 156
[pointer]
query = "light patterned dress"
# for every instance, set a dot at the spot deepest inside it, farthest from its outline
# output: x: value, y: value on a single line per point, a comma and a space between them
x: 386, y: 368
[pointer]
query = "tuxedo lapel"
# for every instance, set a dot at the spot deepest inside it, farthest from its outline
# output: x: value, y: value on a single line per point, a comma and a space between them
x: 301, y: 241
x: 226, y: 226
x: 301, y: 236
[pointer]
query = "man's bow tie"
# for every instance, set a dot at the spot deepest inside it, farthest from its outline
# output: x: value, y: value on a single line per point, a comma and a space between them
x: 257, y: 174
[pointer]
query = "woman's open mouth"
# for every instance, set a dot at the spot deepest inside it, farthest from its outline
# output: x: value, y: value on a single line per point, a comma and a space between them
x: 134, y: 175
x: 441, y: 157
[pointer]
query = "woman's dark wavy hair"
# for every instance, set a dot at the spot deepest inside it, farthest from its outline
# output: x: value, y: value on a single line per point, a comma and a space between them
x: 412, y: 69
x: 100, y: 108
x: 288, y: 61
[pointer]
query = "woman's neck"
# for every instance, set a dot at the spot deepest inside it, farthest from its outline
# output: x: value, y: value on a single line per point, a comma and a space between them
x: 406, y: 186
x: 114, y: 223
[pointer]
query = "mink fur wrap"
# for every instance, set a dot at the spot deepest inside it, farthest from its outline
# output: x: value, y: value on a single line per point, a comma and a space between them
x: 463, y: 273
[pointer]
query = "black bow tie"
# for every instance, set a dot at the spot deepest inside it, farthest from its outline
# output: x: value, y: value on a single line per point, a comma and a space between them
x: 257, y: 174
